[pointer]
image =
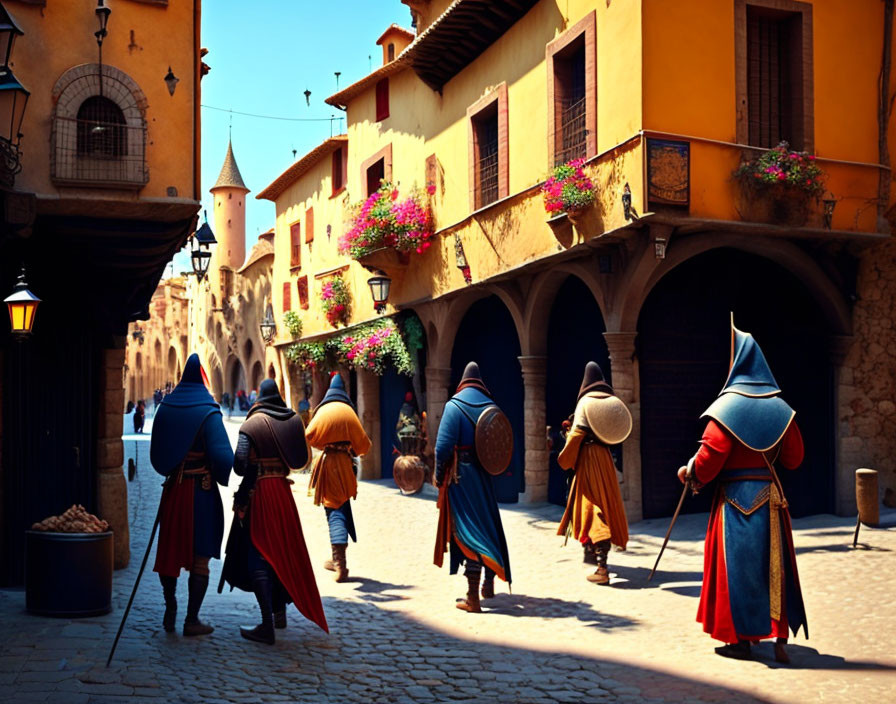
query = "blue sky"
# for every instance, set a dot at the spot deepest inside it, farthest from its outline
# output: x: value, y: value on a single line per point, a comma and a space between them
x: 264, y: 54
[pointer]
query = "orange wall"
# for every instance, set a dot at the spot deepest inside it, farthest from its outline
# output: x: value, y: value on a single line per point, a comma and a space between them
x: 144, y: 40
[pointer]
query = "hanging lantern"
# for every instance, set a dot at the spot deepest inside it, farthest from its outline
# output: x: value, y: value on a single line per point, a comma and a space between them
x: 171, y: 81
x: 268, y: 326
x: 22, y: 307
x: 379, y: 290
x: 201, y: 256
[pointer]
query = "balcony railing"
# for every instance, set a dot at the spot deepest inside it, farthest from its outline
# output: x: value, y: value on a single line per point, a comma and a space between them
x: 572, y: 142
x: 101, y: 154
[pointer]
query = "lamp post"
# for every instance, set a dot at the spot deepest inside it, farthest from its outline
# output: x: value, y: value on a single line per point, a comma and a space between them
x: 201, y: 256
x: 102, y: 15
x: 22, y: 307
x: 379, y: 290
x: 268, y: 326
x: 13, y: 100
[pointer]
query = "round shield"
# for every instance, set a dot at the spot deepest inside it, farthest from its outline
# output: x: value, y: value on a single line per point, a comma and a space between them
x: 493, y: 440
x: 608, y: 417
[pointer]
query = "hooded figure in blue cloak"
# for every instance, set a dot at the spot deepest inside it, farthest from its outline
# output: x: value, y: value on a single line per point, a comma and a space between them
x: 751, y: 588
x: 190, y: 448
x: 469, y: 520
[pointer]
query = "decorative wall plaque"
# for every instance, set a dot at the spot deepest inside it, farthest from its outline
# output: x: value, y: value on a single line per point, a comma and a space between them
x: 668, y: 172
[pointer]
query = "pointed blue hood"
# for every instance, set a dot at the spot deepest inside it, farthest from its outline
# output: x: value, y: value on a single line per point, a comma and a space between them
x: 336, y: 392
x: 749, y: 405
x: 179, y: 417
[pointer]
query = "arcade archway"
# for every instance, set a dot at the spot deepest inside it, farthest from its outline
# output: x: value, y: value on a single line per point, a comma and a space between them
x: 487, y: 335
x: 683, y: 352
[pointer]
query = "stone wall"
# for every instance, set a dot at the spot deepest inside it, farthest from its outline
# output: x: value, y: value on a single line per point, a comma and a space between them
x: 867, y: 412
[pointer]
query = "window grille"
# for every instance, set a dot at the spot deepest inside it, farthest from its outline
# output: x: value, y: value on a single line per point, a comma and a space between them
x: 487, y: 168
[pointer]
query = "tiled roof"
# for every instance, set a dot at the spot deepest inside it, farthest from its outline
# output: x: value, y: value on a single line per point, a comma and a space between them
x: 301, y: 167
x: 263, y: 248
x: 230, y: 173
x: 396, y: 29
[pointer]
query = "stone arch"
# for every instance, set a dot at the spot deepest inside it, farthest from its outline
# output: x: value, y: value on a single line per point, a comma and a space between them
x: 172, y: 368
x: 448, y: 319
x: 257, y: 375
x: 139, y: 377
x: 73, y: 87
x: 785, y: 253
x: 541, y: 296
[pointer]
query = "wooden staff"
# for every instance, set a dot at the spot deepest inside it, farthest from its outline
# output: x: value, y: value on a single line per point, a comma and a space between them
x: 684, y: 492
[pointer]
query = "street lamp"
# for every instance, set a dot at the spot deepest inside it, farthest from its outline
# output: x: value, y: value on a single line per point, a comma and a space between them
x: 171, y: 81
x: 9, y: 30
x: 201, y: 256
x: 102, y: 14
x: 268, y: 326
x: 22, y: 307
x: 379, y: 290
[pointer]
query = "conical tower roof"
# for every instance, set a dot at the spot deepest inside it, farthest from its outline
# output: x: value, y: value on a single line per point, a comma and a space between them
x: 230, y: 173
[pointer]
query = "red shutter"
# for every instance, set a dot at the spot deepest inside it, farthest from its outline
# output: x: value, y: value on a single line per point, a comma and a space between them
x: 382, y: 99
x: 295, y: 244
x: 309, y: 225
x: 287, y: 296
x: 302, y: 286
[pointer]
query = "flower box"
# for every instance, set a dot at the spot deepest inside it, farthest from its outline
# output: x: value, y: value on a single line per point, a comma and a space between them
x: 386, y: 259
x: 773, y: 205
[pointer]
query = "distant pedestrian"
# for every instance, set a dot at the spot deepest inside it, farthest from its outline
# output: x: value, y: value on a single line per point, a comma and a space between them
x: 191, y: 449
x: 266, y: 551
x: 253, y: 396
x: 130, y: 407
x: 469, y: 521
x: 139, y: 415
x: 751, y: 589
x: 226, y: 403
x: 595, y: 514
x: 336, y: 430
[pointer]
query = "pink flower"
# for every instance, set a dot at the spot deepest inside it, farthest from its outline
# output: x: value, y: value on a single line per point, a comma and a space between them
x: 431, y: 189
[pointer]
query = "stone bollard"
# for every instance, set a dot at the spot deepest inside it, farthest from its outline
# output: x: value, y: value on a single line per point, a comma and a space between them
x: 867, y: 496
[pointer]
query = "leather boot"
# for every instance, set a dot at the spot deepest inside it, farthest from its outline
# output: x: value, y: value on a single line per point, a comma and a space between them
x: 590, y: 556
x: 488, y: 585
x: 781, y: 655
x: 471, y: 602
x: 601, y: 574
x: 278, y: 601
x: 197, y: 584
x: 264, y: 632
x: 331, y: 563
x: 340, y: 562
x: 738, y: 651
x: 169, y: 591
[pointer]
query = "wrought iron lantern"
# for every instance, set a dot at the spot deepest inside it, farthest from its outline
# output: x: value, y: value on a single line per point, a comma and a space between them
x: 268, y: 326
x: 659, y: 247
x: 22, y: 307
x: 201, y: 256
x: 379, y: 291
x: 102, y: 14
x: 9, y: 30
x: 171, y: 81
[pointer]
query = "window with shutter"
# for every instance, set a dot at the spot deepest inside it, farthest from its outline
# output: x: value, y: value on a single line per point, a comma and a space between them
x: 287, y: 297
x: 382, y: 99
x: 489, y: 171
x: 338, y: 171
x: 309, y: 225
x: 302, y: 287
x: 295, y: 245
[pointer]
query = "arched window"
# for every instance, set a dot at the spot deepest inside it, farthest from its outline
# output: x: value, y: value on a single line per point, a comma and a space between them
x: 101, y: 129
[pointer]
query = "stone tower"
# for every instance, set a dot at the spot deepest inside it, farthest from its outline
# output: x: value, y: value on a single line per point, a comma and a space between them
x: 229, y: 192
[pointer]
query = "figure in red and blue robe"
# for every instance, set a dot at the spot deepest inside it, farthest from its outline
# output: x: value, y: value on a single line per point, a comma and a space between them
x: 469, y: 520
x: 751, y: 588
x: 266, y: 551
x: 191, y: 449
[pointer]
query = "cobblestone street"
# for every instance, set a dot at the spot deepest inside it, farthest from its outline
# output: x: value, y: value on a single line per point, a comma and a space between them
x: 396, y: 636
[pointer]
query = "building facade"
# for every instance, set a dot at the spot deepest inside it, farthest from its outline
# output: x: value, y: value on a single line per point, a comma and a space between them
x: 107, y: 192
x: 663, y: 102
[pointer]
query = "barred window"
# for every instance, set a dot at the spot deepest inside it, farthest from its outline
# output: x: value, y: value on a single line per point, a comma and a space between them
x: 101, y: 129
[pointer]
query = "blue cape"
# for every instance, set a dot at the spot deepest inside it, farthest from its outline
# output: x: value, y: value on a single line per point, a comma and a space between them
x: 179, y: 418
x: 749, y: 406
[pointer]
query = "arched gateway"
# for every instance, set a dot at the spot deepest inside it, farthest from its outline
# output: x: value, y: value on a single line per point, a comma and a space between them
x: 683, y: 352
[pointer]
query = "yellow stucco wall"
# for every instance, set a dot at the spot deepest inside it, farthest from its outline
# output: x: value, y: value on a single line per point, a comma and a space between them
x: 143, y: 40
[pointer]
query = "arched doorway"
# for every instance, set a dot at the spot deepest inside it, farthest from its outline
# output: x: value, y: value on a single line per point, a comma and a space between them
x: 217, y: 382
x: 236, y: 379
x: 257, y: 375
x: 488, y: 336
x: 173, y: 376
x: 575, y: 337
x: 683, y: 352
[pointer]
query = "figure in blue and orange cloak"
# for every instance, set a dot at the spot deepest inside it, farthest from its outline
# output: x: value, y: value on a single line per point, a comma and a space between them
x: 336, y: 431
x: 190, y: 448
x: 469, y: 521
x: 751, y: 589
x: 266, y: 551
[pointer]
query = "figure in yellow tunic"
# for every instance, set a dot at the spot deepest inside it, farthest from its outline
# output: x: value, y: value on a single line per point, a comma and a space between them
x: 594, y: 511
x: 336, y: 431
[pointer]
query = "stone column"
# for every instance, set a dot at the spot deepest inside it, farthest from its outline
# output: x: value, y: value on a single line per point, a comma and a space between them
x: 849, y: 448
x: 437, y: 395
x: 534, y: 431
x: 623, y: 371
x: 112, y: 489
x: 369, y: 413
